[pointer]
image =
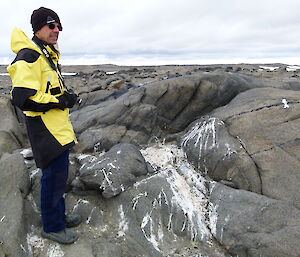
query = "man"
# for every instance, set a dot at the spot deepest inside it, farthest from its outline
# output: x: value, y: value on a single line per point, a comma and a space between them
x: 39, y: 91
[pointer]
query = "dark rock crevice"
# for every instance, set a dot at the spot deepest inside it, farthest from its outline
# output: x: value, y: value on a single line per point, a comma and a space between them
x: 244, y: 147
x: 257, y: 110
x: 280, y: 145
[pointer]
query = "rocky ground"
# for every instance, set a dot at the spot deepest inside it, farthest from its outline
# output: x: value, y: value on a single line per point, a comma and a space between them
x: 175, y: 160
x: 94, y: 77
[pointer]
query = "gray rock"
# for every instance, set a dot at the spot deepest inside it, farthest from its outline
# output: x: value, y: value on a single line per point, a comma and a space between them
x: 195, y: 96
x: 252, y: 142
x: 98, y: 140
x: 150, y: 110
x: 250, y: 225
x: 115, y: 171
x: 8, y: 142
x: 245, y: 140
x: 14, y: 187
x: 27, y: 154
x: 80, y: 249
x: 11, y: 133
x: 211, y: 148
x: 267, y: 129
x: 1, y: 252
x: 154, y: 217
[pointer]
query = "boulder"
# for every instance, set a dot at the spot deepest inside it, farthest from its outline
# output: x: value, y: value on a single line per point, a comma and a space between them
x: 209, y: 147
x: 250, y: 225
x: 14, y: 186
x: 115, y: 171
x: 8, y: 142
x: 11, y: 131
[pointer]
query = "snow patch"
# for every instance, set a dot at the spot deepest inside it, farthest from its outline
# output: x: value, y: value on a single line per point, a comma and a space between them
x: 69, y: 73
x: 292, y: 67
x: 269, y: 68
x: 111, y: 72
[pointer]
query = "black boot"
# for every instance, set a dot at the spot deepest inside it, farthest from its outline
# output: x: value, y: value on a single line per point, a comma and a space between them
x: 63, y: 237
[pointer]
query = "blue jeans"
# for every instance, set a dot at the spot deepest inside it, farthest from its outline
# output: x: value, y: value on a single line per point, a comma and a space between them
x: 53, y: 185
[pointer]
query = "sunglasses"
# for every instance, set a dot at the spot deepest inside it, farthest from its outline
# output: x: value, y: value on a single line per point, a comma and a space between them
x: 52, y: 26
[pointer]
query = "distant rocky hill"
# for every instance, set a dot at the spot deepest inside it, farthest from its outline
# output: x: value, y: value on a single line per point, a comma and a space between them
x: 172, y: 161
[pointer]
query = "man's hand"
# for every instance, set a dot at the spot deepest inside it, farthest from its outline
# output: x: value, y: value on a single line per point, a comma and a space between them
x: 67, y: 100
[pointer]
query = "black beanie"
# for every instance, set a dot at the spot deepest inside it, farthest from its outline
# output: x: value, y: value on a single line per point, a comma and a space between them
x: 41, y: 17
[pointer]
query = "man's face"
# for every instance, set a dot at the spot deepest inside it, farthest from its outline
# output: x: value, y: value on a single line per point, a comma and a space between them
x: 49, y: 33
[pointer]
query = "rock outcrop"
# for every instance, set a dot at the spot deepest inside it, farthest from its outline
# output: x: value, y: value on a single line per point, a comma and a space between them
x: 157, y: 109
x: 169, y: 163
x: 250, y: 224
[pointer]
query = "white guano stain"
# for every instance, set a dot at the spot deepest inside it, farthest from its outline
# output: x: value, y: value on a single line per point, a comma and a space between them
x: 33, y: 173
x: 80, y: 201
x: 136, y: 199
x: 55, y: 251
x: 107, y: 182
x: 88, y: 220
x: 111, y: 165
x: 152, y: 227
x: 90, y: 158
x: 204, y: 134
x: 193, y: 205
x: 229, y: 151
x: 123, y: 225
x: 33, y: 203
x: 213, y: 218
x: 93, y: 164
x: 189, y: 192
x: 23, y: 248
x: 285, y: 103
x: 34, y: 241
x: 152, y: 238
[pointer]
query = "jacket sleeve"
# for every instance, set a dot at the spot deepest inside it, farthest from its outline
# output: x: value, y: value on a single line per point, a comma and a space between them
x: 21, y: 98
x: 26, y: 92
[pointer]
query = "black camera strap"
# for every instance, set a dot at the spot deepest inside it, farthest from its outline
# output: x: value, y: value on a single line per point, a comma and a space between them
x: 47, y: 55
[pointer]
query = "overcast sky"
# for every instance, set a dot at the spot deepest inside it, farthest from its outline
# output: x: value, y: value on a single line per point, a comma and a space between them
x: 141, y: 32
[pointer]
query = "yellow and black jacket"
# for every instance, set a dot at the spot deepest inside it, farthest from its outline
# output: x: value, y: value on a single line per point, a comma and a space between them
x: 36, y: 87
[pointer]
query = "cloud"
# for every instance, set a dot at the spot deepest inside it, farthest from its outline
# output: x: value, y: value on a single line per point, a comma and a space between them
x: 168, y: 29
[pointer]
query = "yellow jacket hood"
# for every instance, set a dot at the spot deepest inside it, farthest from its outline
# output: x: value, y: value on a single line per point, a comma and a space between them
x: 19, y: 40
x: 36, y: 86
